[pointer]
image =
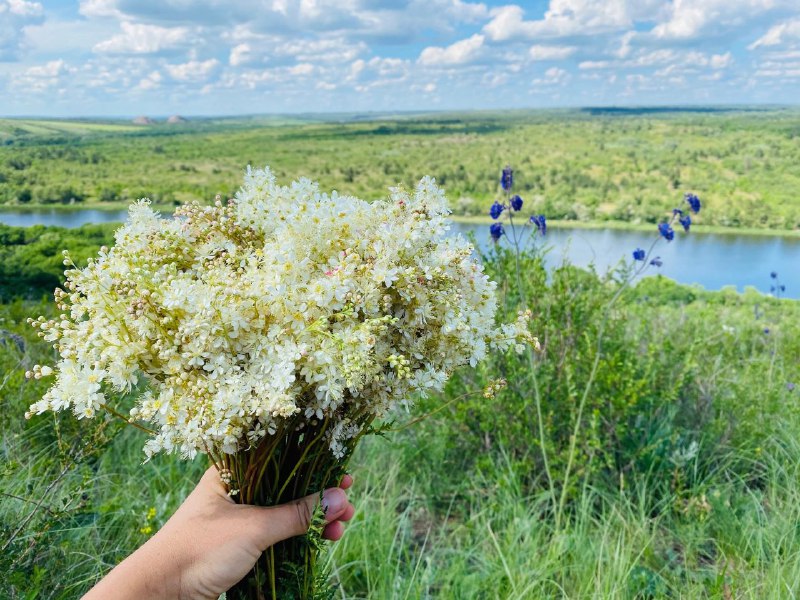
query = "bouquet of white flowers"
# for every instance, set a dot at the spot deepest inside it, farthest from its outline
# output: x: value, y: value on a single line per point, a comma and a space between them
x: 271, y: 332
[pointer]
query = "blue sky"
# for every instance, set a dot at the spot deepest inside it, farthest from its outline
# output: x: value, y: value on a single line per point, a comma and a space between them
x: 224, y: 57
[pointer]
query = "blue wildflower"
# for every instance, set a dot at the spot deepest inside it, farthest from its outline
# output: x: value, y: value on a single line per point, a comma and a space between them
x: 766, y: 330
x: 516, y: 203
x: 686, y: 221
x: 496, y: 210
x: 774, y: 275
x: 783, y: 288
x: 790, y: 386
x: 677, y: 211
x: 540, y: 222
x: 638, y: 254
x: 496, y: 231
x: 694, y: 202
x: 665, y: 229
x: 507, y: 178
x: 657, y: 262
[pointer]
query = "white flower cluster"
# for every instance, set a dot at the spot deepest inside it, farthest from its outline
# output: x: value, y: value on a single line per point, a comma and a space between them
x: 285, y: 303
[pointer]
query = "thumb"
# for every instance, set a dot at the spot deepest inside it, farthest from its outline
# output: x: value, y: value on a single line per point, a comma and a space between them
x: 281, y: 522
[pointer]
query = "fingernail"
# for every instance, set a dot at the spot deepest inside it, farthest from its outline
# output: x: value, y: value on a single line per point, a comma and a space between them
x: 333, y: 500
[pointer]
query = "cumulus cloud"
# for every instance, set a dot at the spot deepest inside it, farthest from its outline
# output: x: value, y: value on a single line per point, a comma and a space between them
x: 194, y: 70
x: 151, y: 82
x: 459, y: 53
x: 538, y: 52
x: 553, y: 76
x: 690, y: 19
x: 778, y: 35
x: 143, y: 39
x: 42, y: 78
x: 564, y: 18
x: 15, y: 16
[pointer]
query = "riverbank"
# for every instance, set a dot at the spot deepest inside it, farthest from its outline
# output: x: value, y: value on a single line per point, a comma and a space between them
x: 77, y: 207
x: 644, y: 227
x: 109, y: 207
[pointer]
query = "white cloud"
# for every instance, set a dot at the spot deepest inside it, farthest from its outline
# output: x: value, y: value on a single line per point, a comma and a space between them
x: 15, y: 16
x: 563, y: 18
x: 193, y: 71
x: 337, y: 50
x: 553, y: 76
x: 151, y: 82
x: 459, y: 53
x: 721, y: 61
x: 689, y: 19
x: 302, y: 69
x: 99, y: 8
x: 538, y: 52
x: 779, y: 34
x: 143, y: 39
x: 594, y: 64
x: 41, y: 78
x: 241, y: 54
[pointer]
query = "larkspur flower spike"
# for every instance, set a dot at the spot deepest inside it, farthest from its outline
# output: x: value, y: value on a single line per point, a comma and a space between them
x: 665, y: 229
x: 693, y: 201
x: 638, y: 254
x: 496, y: 231
x: 496, y: 210
x: 507, y: 178
x: 516, y: 203
x: 540, y: 222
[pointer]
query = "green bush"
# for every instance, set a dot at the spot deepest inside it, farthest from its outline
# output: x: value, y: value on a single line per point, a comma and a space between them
x: 685, y: 380
x: 31, y: 263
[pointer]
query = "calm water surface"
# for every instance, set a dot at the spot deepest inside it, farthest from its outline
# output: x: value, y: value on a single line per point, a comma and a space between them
x: 710, y: 260
x: 74, y: 218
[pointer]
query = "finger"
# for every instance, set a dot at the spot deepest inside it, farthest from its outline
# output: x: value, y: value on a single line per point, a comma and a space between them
x: 348, y: 513
x: 333, y: 531
x: 210, y: 484
x: 347, y: 481
x: 278, y: 523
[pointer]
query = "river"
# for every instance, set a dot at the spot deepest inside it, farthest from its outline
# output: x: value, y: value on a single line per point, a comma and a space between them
x: 710, y: 260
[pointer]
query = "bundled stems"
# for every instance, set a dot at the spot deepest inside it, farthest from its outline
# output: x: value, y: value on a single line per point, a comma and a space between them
x: 290, y: 464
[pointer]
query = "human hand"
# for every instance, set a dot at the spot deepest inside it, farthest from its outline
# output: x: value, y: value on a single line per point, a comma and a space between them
x: 211, y: 542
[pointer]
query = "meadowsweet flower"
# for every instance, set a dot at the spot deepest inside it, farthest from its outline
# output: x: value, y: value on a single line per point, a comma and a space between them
x: 666, y: 231
x: 693, y: 201
x: 495, y: 210
x: 686, y: 221
x: 516, y: 203
x: 507, y: 178
x: 244, y: 324
x: 496, y: 231
x: 540, y: 222
x: 638, y: 254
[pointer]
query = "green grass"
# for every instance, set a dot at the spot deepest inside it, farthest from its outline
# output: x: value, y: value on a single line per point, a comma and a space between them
x: 458, y: 506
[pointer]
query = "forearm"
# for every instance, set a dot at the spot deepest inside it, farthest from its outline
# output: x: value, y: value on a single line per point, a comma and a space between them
x: 153, y: 571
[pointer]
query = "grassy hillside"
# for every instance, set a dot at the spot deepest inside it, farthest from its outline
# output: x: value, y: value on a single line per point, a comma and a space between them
x: 587, y: 165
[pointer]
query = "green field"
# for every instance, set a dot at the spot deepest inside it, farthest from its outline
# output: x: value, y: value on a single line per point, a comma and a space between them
x: 587, y: 166
x: 651, y: 450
